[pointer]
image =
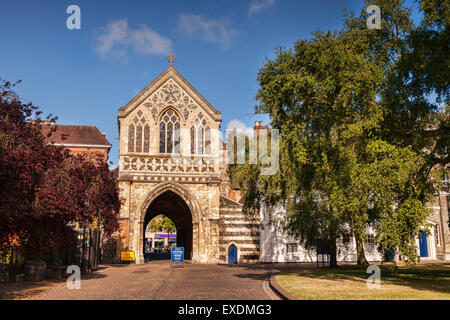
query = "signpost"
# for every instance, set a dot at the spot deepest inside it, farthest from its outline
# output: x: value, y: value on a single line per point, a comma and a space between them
x: 177, y: 256
x: 127, y: 256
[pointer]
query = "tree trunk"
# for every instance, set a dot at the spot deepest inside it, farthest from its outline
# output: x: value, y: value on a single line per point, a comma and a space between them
x: 333, y: 253
x: 360, y: 254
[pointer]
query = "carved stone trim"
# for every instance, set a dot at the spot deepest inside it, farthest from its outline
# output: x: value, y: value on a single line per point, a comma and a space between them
x: 182, y: 165
x: 169, y: 74
x: 187, y: 196
x: 182, y: 179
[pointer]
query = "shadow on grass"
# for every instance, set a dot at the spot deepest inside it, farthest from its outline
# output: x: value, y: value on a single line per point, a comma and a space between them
x: 430, y: 277
x: 263, y: 270
x: 275, y: 267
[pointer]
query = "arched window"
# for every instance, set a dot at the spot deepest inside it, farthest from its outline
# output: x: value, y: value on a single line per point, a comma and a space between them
x: 131, y: 138
x: 146, y: 138
x: 139, y: 135
x: 139, y: 138
x: 169, y: 133
x: 200, y: 138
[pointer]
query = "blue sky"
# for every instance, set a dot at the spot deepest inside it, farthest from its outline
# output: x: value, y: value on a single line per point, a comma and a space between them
x: 84, y: 76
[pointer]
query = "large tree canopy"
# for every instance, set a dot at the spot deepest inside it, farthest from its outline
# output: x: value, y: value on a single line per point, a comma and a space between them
x: 352, y: 108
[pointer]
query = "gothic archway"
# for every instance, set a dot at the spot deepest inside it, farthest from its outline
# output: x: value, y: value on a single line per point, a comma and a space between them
x: 173, y: 206
x: 178, y: 204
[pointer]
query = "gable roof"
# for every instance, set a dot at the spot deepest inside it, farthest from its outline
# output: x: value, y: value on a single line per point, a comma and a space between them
x: 75, y: 135
x: 169, y: 73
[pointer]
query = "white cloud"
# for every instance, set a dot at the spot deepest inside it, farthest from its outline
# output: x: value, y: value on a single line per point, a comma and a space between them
x: 239, y: 126
x: 116, y: 37
x: 258, y: 5
x: 214, y: 31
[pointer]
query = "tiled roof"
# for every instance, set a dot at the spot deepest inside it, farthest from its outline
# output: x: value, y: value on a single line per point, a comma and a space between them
x: 75, y: 135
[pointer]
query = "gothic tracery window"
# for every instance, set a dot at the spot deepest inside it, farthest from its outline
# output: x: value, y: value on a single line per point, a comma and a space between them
x: 131, y: 138
x: 139, y: 134
x: 200, y: 137
x: 169, y: 133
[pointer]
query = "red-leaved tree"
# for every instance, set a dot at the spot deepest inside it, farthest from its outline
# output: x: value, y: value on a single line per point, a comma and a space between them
x: 43, y: 188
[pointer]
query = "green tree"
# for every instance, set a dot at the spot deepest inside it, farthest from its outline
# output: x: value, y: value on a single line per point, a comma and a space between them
x: 353, y: 146
x: 413, y: 95
x: 321, y: 97
x: 162, y: 223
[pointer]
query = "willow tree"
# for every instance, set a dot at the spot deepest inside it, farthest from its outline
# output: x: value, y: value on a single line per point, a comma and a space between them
x: 352, y: 134
x: 414, y: 94
x: 321, y: 96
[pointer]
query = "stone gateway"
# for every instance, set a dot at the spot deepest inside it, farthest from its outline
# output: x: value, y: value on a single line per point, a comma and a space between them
x: 171, y: 162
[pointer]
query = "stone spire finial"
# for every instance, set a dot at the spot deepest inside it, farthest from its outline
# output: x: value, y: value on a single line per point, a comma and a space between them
x: 171, y: 59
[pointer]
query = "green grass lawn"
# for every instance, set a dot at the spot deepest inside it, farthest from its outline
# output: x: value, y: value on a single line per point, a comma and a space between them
x: 425, y: 281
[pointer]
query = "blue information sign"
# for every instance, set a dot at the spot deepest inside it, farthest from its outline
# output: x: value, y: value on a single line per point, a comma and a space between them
x: 177, y: 255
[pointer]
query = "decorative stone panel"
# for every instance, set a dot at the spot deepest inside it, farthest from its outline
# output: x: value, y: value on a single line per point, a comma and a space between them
x: 145, y: 173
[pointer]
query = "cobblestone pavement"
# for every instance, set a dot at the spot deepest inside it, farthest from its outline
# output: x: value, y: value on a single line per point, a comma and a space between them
x: 158, y: 281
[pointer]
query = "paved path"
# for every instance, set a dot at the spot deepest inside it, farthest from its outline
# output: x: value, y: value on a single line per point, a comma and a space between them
x: 158, y: 281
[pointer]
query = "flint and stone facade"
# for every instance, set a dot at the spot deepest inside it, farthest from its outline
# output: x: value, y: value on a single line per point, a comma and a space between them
x: 171, y: 162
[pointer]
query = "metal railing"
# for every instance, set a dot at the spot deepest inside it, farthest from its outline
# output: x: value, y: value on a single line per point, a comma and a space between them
x: 12, y: 261
x: 87, y: 253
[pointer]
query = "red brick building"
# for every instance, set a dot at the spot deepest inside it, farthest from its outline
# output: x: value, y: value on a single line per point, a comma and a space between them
x: 86, y: 140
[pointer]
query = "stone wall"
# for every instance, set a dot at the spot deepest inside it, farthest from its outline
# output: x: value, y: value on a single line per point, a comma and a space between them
x: 439, y: 218
x: 240, y: 230
x: 202, y: 200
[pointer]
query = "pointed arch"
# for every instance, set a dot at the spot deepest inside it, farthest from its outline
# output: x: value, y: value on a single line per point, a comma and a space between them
x: 131, y: 134
x: 238, y: 253
x: 176, y: 188
x: 189, y: 199
x: 139, y: 134
x: 200, y: 137
x: 169, y: 131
